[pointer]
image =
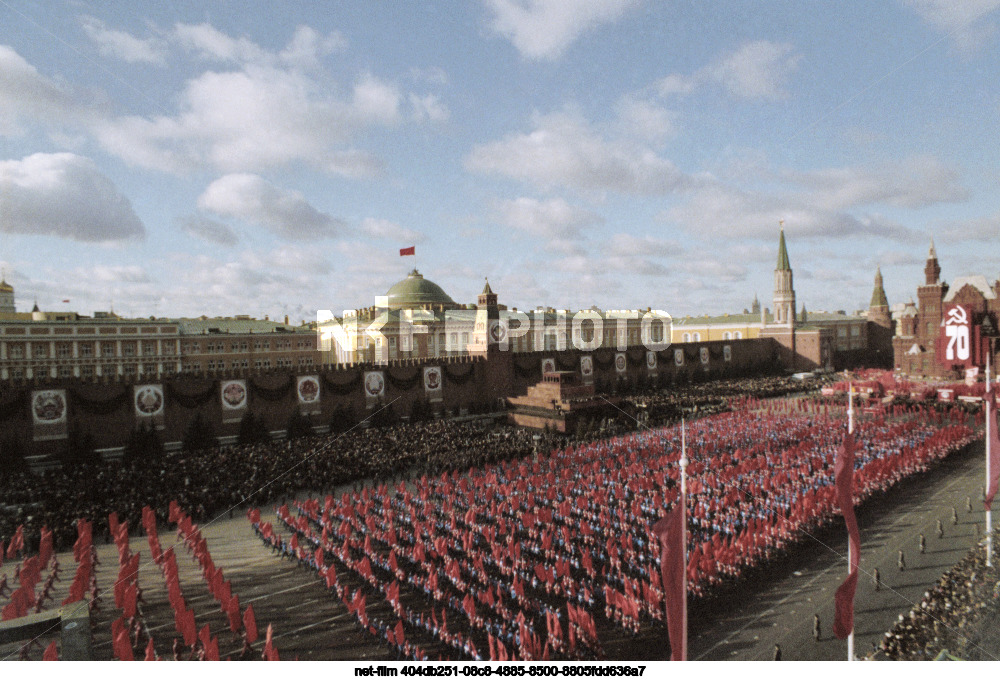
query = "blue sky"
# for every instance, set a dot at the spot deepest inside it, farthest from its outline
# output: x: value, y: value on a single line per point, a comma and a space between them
x: 248, y: 157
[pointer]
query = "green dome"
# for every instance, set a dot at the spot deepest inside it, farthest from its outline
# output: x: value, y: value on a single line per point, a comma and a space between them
x: 416, y: 292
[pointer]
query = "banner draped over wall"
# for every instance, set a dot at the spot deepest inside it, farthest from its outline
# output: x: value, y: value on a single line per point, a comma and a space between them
x: 234, y: 400
x: 433, y: 384
x: 48, y: 414
x: 308, y: 391
x: 148, y: 401
x: 374, y: 388
x: 587, y: 369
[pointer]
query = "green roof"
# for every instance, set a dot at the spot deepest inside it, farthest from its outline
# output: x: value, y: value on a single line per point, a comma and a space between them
x: 416, y: 291
x: 783, y: 264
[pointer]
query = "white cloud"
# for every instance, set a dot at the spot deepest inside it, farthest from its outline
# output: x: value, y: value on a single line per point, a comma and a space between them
x: 304, y: 49
x: 911, y: 183
x: 253, y: 119
x: 115, y: 273
x: 725, y: 213
x: 30, y: 97
x: 551, y: 219
x: 964, y: 19
x: 645, y: 120
x: 428, y: 107
x: 389, y: 230
x: 543, y: 29
x: 564, y: 151
x: 209, y: 230
x: 65, y: 195
x: 627, y: 245
x: 756, y: 70
x: 255, y: 200
x: 122, y: 45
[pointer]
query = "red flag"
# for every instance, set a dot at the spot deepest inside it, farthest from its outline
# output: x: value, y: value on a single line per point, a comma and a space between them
x: 233, y: 612
x: 843, y: 471
x: 994, y: 452
x: 670, y: 532
x: 250, y: 623
x: 150, y: 651
x: 50, y: 652
x: 412, y: 250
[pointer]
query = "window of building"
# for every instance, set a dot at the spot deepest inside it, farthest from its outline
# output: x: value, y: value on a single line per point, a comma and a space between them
x: 738, y: 335
x: 128, y: 349
x: 855, y: 331
x: 65, y: 371
x: 86, y: 371
x: 16, y: 373
x: 149, y: 349
x: 107, y: 349
x: 686, y: 337
x: 697, y: 337
x: 16, y: 351
x: 64, y: 350
x: 39, y: 351
x: 86, y: 349
x: 727, y: 336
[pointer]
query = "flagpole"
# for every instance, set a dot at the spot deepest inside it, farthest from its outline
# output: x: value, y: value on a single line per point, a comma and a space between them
x: 684, y: 584
x: 989, y: 453
x: 850, y: 430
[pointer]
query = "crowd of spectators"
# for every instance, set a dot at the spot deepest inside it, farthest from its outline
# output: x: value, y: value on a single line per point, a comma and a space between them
x: 218, y: 479
x: 949, y: 617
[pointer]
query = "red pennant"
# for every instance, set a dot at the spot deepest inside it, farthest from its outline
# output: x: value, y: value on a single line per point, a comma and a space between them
x: 670, y: 532
x: 250, y: 624
x: 843, y: 621
x: 994, y: 453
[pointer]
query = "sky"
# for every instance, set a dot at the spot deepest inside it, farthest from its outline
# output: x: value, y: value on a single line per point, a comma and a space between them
x: 221, y: 158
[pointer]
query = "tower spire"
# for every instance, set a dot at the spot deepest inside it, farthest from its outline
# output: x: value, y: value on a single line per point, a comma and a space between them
x: 783, y: 264
x: 784, y: 290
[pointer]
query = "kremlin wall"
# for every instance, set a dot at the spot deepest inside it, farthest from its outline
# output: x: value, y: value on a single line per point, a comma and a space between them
x: 431, y: 358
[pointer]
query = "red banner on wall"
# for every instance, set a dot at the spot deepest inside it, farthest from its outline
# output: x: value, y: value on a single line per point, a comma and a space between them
x: 959, y: 344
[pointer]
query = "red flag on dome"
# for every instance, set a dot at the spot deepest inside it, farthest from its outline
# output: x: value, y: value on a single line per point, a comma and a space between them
x: 843, y: 622
x: 412, y: 250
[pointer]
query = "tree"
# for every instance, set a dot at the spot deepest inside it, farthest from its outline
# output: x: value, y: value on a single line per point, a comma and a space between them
x: 81, y: 449
x: 199, y: 435
x: 12, y: 455
x: 343, y: 419
x: 143, y: 444
x: 298, y: 426
x: 253, y: 430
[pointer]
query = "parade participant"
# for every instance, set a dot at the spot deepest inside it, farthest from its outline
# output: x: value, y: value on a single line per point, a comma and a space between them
x: 877, y: 578
x: 816, y: 627
x: 901, y: 561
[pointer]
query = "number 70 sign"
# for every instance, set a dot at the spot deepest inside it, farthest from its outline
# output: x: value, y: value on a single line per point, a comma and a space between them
x: 959, y: 342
